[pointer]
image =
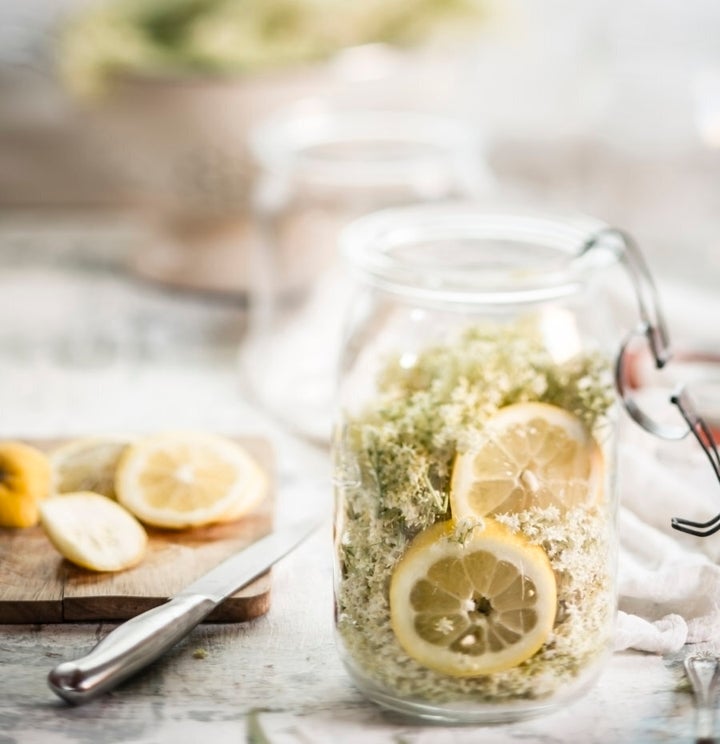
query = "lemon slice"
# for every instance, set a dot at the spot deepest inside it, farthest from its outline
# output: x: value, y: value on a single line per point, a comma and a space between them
x: 475, y: 608
x: 532, y: 454
x: 87, y: 465
x: 24, y: 481
x: 187, y: 480
x: 93, y: 531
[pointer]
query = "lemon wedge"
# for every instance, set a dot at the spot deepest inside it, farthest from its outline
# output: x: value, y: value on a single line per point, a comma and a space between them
x: 87, y: 465
x: 24, y: 481
x: 93, y: 531
x: 472, y: 608
x: 181, y: 480
x: 532, y: 454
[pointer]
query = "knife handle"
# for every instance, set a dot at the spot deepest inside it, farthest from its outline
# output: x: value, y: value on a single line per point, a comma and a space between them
x: 128, y: 648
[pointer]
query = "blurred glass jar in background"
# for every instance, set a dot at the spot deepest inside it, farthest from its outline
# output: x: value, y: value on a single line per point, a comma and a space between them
x: 319, y: 170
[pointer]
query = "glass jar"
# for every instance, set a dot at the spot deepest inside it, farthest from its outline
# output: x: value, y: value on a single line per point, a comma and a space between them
x: 474, y: 456
x: 319, y: 169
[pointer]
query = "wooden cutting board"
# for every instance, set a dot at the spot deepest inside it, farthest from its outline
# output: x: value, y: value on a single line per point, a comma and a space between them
x: 37, y: 585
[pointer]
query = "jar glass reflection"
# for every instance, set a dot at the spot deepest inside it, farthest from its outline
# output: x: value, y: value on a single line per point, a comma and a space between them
x: 319, y: 170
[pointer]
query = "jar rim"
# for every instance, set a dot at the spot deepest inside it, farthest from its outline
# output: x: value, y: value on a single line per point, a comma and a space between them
x: 432, y: 253
x: 292, y: 141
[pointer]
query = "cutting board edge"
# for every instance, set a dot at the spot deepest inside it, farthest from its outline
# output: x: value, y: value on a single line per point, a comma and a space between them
x: 250, y: 603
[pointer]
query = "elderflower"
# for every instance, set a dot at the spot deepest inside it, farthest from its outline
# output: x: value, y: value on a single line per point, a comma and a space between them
x: 403, y: 446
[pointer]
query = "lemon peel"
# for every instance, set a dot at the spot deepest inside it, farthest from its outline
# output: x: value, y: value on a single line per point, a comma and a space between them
x: 472, y: 608
x: 531, y: 455
x: 93, y: 531
x: 24, y: 482
x: 87, y: 464
x: 184, y: 479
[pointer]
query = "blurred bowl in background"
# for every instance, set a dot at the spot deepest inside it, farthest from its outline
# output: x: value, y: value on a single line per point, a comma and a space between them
x: 172, y: 87
x: 182, y: 144
x: 183, y: 149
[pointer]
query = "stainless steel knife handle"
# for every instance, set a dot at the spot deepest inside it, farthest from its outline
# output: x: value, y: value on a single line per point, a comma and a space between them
x: 128, y: 648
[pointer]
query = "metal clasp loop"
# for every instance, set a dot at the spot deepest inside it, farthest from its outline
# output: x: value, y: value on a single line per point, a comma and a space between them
x: 652, y: 325
x: 652, y: 320
x: 701, y: 432
x: 664, y: 431
x: 654, y: 329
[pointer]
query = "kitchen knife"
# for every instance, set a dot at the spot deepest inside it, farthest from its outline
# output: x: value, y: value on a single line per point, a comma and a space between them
x: 137, y: 642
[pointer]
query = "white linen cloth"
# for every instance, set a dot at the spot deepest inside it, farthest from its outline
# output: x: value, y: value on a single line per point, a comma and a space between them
x: 669, y: 582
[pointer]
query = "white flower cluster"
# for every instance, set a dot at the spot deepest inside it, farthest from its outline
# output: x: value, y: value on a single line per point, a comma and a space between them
x: 404, y: 445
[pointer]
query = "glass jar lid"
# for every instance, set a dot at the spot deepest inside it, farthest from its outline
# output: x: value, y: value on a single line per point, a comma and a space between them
x: 465, y: 253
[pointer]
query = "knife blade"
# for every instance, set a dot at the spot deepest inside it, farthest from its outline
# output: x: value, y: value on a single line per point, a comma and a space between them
x: 144, y: 638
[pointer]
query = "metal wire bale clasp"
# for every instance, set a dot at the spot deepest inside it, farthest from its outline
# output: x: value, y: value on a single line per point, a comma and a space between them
x: 705, y: 438
x: 654, y: 330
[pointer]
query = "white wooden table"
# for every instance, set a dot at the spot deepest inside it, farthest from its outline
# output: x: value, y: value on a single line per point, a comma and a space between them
x: 91, y: 351
x: 278, y: 680
x: 83, y: 349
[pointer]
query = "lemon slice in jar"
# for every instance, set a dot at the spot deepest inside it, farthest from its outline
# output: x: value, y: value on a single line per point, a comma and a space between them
x: 180, y: 480
x: 475, y: 607
x: 532, y: 455
x: 93, y: 531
